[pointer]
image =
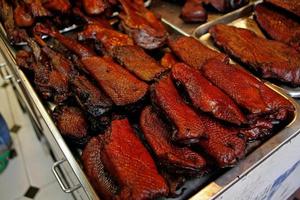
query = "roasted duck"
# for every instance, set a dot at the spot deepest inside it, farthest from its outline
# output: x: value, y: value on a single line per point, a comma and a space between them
x: 138, y: 62
x: 22, y: 16
x: 187, y: 125
x: 221, y: 143
x: 175, y: 159
x: 142, y: 25
x: 95, y: 7
x: 93, y: 166
x: 193, y: 52
x: 123, y: 91
x: 265, y: 107
x: 168, y: 60
x: 278, y: 25
x: 205, y: 96
x: 292, y: 6
x: 193, y: 11
x: 61, y: 6
x: 128, y: 161
x: 274, y: 60
x: 72, y: 124
x: 37, y: 9
x: 90, y: 97
x: 50, y: 76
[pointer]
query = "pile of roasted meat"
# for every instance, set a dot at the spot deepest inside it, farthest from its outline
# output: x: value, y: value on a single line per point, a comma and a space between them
x: 148, y: 110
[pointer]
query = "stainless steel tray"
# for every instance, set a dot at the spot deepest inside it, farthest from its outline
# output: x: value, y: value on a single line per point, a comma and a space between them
x: 209, y: 190
x: 170, y: 12
x: 242, y: 18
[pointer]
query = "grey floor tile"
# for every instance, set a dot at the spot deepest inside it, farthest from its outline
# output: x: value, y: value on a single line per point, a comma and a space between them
x: 14, y: 181
x: 38, y: 161
x: 52, y: 191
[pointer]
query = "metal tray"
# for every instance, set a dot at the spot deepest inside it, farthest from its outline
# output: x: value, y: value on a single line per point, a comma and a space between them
x: 243, y: 18
x: 170, y: 11
x: 199, y: 188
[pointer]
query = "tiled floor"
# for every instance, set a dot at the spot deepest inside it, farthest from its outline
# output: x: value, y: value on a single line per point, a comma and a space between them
x: 28, y: 174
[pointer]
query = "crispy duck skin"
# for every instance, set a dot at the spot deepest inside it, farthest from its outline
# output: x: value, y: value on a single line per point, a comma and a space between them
x: 127, y: 159
x: 95, y: 171
x: 22, y: 17
x: 121, y: 86
x: 91, y: 98
x: 193, y: 52
x: 246, y: 90
x: 278, y: 26
x: 205, y: 96
x: 70, y: 43
x: 135, y: 60
x: 168, y: 60
x: 221, y: 143
x: 7, y: 18
x: 292, y: 6
x: 94, y: 7
x: 226, y: 5
x: 61, y: 6
x: 108, y: 37
x: 274, y: 60
x: 142, y: 25
x: 37, y: 9
x: 176, y: 159
x: 193, y: 11
x: 72, y: 124
x: 188, y: 126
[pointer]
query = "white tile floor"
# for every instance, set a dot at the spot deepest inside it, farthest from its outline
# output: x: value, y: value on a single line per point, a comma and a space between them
x: 32, y: 165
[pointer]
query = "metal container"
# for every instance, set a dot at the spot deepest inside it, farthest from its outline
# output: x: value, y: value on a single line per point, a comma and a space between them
x: 73, y: 180
x: 242, y: 18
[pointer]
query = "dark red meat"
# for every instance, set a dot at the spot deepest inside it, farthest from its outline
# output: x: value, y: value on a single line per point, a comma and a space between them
x: 174, y: 158
x: 193, y: 11
x: 272, y: 59
x: 126, y: 158
x: 292, y: 6
x: 278, y: 26
x: 193, y: 52
x: 188, y: 125
x: 205, y: 96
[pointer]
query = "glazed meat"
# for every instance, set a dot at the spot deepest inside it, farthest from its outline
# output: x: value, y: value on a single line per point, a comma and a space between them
x: 69, y: 43
x: 193, y: 52
x: 292, y: 6
x: 142, y: 25
x: 272, y: 59
x: 193, y: 11
x: 22, y: 17
x: 205, y: 96
x: 108, y: 37
x: 94, y: 7
x: 123, y: 90
x: 244, y: 89
x: 175, y: 159
x: 71, y: 123
x: 95, y: 171
x: 49, y: 78
x: 278, y: 26
x: 168, y: 60
x: 221, y: 143
x: 135, y: 60
x: 90, y: 97
x: 188, y: 125
x: 37, y: 9
x: 226, y: 5
x: 61, y: 6
x: 126, y: 158
x: 7, y: 19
